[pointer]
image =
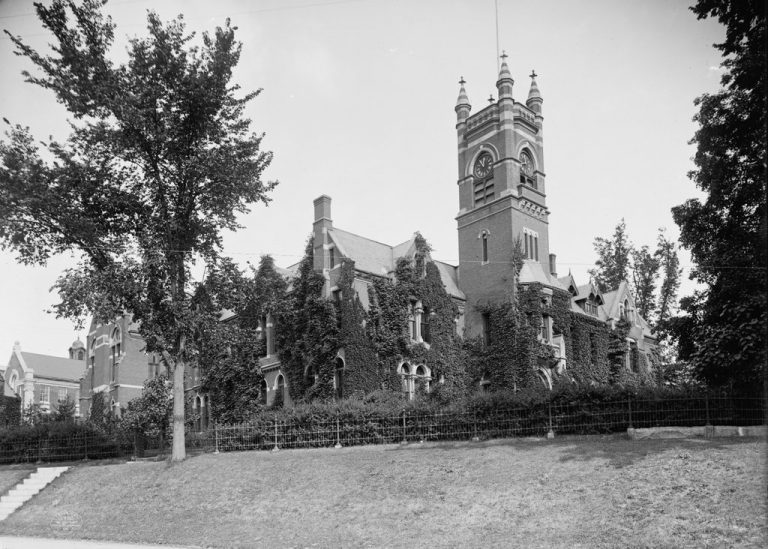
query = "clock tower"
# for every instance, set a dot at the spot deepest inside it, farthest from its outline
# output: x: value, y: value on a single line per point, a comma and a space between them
x: 502, y: 196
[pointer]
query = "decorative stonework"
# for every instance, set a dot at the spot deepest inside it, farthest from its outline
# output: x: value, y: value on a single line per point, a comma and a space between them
x: 533, y: 209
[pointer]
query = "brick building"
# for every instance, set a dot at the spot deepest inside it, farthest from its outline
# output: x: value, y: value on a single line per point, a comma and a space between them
x: 45, y: 380
x: 502, y: 194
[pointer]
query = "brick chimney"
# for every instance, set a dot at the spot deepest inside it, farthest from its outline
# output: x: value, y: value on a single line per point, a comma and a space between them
x: 553, y: 265
x: 320, y: 228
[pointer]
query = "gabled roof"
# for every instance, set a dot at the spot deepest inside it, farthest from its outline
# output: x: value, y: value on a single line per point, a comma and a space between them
x: 380, y: 259
x: 585, y: 290
x: 369, y: 255
x: 52, y: 367
x: 570, y: 283
x: 611, y: 308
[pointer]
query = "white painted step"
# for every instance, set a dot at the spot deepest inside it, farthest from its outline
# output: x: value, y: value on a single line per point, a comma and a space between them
x: 27, y: 489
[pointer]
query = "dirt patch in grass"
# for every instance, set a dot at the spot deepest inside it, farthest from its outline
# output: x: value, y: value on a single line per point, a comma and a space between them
x: 585, y: 492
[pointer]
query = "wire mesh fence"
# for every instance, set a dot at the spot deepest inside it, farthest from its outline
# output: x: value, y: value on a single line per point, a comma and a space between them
x: 578, y: 418
x: 271, y: 431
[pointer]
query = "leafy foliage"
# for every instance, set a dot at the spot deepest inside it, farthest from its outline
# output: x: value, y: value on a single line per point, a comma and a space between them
x: 723, y: 328
x: 65, y: 411
x: 159, y: 161
x: 613, y: 259
x: 150, y: 414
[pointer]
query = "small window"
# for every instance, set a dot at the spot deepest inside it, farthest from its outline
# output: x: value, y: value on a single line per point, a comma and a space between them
x: 425, y: 334
x: 81, y: 354
x: 487, y: 339
x: 62, y: 394
x: 263, y: 392
x: 45, y: 394
x: 117, y: 340
x: 485, y: 247
x: 332, y: 257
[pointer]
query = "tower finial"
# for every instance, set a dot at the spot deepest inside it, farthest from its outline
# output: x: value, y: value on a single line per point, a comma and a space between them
x: 533, y: 74
x: 462, y: 103
x: 491, y: 100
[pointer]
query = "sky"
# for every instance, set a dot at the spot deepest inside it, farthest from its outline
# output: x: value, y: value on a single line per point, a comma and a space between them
x: 358, y: 101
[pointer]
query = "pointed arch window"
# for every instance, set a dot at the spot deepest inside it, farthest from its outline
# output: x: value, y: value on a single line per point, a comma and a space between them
x: 483, y: 179
x: 484, y: 239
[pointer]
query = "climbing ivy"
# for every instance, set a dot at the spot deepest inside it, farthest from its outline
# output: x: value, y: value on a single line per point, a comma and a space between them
x: 307, y: 334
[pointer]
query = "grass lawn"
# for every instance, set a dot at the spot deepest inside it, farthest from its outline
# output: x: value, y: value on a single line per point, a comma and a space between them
x: 579, y: 492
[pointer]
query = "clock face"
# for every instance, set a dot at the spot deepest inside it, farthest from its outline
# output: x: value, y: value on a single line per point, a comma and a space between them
x: 527, y: 163
x: 483, y: 166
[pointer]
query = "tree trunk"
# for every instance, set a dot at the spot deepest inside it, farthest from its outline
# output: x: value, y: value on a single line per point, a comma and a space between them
x: 179, y: 451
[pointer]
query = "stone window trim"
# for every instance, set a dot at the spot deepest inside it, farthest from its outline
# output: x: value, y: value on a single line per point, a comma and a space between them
x: 410, y: 374
x: 530, y: 244
x: 418, y: 316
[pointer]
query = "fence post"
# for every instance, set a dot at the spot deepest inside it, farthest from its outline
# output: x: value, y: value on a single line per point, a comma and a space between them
x: 39, y: 449
x: 475, y: 438
x: 405, y: 439
x: 551, y: 432
x: 338, y: 440
x: 629, y: 407
x: 276, y: 448
x: 85, y: 442
x: 215, y: 438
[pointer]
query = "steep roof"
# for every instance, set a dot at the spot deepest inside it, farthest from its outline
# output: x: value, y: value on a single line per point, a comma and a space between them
x: 379, y: 259
x: 533, y: 271
x: 53, y: 367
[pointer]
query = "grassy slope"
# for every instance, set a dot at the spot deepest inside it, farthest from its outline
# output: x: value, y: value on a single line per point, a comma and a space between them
x: 580, y: 492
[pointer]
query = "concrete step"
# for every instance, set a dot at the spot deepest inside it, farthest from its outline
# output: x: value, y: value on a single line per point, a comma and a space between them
x: 27, y: 489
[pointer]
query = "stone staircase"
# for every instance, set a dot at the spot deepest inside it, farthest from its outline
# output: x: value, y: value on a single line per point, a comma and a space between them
x: 28, y: 489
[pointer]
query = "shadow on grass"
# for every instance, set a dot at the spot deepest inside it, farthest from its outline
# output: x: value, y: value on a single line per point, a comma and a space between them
x: 617, y: 449
x: 621, y: 453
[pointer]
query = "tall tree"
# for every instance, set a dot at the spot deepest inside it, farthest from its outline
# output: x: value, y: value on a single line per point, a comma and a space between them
x: 669, y: 263
x: 159, y: 161
x: 613, y: 259
x: 723, y: 331
x: 645, y: 271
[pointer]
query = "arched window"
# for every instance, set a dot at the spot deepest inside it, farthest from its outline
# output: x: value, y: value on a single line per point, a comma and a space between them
x: 483, y: 179
x: 423, y: 377
x: 625, y: 310
x: 198, y: 414
x: 485, y: 246
x: 407, y: 379
x: 263, y: 392
x: 13, y: 381
x: 527, y: 169
x: 338, y: 379
x: 117, y: 341
x: 206, y: 412
x: 80, y: 354
x: 279, y: 399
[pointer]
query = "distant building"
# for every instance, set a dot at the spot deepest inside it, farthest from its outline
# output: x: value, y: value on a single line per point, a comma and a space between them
x: 116, y: 364
x: 45, y: 380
